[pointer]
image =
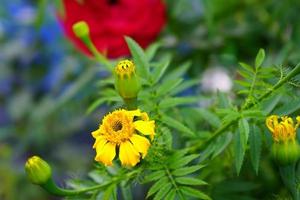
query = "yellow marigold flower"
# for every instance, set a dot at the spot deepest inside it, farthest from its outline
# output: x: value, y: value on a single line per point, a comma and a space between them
x: 121, y: 129
x: 282, y: 129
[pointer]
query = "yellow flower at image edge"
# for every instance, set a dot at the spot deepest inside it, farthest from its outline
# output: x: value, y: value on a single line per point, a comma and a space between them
x: 121, y: 129
x: 285, y: 149
x: 282, y: 128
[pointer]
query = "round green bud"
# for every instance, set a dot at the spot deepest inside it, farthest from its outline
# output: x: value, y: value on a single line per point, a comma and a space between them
x: 286, y: 153
x: 38, y: 171
x: 127, y: 83
x: 81, y: 29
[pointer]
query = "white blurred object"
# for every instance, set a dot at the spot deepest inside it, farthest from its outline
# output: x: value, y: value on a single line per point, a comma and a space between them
x: 215, y: 79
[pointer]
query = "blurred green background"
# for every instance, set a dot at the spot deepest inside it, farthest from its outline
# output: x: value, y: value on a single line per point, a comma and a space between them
x: 46, y: 85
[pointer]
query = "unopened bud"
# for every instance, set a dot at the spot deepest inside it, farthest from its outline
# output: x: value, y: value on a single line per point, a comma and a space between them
x: 127, y: 83
x: 81, y: 29
x: 38, y: 171
x: 286, y: 153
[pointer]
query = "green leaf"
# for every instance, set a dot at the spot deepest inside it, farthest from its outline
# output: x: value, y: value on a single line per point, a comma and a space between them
x: 171, y: 195
x: 164, y: 189
x: 288, y: 108
x: 156, y: 186
x: 252, y: 113
x: 126, y: 192
x: 154, y: 176
x: 194, y: 193
x: 139, y: 57
x: 244, y: 131
x: 187, y: 170
x: 223, y: 100
x: 259, y: 58
x: 221, y: 143
x: 167, y: 86
x: 160, y: 70
x: 209, y: 117
x: 239, y: 151
x: 151, y: 50
x: 255, y: 146
x: 169, y: 121
x: 246, y: 67
x: 190, y: 181
x: 178, y: 72
x: 184, y: 85
x: 183, y: 161
x: 175, y: 101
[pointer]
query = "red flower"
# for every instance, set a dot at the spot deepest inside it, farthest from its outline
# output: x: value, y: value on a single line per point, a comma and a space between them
x: 111, y: 20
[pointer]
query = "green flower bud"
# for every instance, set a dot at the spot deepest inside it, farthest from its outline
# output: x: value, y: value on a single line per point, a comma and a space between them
x: 38, y: 171
x: 127, y: 83
x: 81, y: 29
x: 286, y: 153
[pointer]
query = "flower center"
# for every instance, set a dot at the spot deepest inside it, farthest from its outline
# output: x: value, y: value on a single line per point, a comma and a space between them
x: 112, y: 2
x: 117, y: 126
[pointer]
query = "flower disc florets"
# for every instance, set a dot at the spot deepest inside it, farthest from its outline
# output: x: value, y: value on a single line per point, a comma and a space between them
x: 123, y: 129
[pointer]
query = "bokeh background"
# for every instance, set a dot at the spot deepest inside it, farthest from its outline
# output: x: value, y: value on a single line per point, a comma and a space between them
x: 46, y: 84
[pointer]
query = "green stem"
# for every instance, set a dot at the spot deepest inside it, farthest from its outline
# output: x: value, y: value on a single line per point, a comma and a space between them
x: 131, y: 104
x: 52, y: 188
x: 224, y: 127
x: 99, y: 57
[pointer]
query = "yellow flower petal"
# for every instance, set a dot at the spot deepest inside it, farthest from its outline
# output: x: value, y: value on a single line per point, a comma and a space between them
x: 96, y: 133
x: 141, y: 144
x: 128, y: 154
x: 145, y: 127
x: 106, y: 154
x: 99, y: 143
x: 134, y: 112
x: 272, y: 122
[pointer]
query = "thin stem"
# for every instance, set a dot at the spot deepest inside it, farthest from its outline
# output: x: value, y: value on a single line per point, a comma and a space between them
x: 173, y: 182
x: 52, y: 188
x: 99, y: 57
x: 290, y: 75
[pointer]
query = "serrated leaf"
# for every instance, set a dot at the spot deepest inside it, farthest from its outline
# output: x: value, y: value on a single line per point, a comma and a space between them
x: 160, y: 70
x: 156, y: 186
x: 171, y: 195
x: 259, y: 58
x: 244, y: 130
x: 194, y: 193
x: 190, y: 181
x: 183, y: 161
x: 175, y: 101
x: 169, y: 121
x: 167, y: 86
x: 187, y: 170
x: 239, y: 151
x: 255, y: 146
x: 154, y: 176
x: 139, y: 57
x: 163, y: 191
